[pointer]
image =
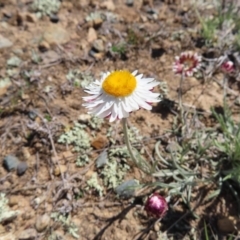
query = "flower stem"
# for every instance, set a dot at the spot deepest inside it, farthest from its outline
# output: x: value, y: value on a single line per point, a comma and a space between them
x: 127, y: 141
x: 180, y: 98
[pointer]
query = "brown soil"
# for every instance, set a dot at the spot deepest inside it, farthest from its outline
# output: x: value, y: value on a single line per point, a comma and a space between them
x: 151, y: 51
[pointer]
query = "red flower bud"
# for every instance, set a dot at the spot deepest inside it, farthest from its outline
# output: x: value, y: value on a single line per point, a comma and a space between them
x: 227, y: 66
x: 156, y: 206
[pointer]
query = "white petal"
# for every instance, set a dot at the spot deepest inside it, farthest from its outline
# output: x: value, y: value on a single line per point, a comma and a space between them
x: 134, y: 73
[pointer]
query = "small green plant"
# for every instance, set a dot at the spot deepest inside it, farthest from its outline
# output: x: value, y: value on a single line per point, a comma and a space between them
x: 223, y: 28
x: 35, y: 57
x: 132, y: 37
x: 95, y: 122
x: 93, y: 183
x: 79, y: 79
x: 48, y: 117
x: 14, y: 61
x: 95, y: 16
x: 5, y: 212
x: 79, y: 138
x: 228, y: 144
x: 45, y: 7
x: 65, y: 220
x: 120, y: 48
x: 114, y: 171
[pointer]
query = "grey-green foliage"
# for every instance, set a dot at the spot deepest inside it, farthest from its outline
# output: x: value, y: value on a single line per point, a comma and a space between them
x: 5, y: 212
x: 95, y: 122
x: 93, y: 183
x: 65, y: 220
x: 217, y: 151
x: 14, y: 61
x: 79, y: 138
x: 181, y: 169
x: 114, y: 171
x: 5, y: 82
x: 95, y: 16
x: 223, y: 28
x: 229, y: 144
x: 78, y: 78
x: 46, y: 7
x: 133, y: 134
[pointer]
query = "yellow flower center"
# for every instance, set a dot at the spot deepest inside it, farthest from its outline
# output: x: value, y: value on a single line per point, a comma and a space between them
x: 119, y: 84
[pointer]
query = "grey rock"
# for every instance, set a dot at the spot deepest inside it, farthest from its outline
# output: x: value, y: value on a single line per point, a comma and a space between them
x: 4, y: 42
x: 22, y: 168
x: 102, y: 159
x: 10, y: 162
x: 127, y: 188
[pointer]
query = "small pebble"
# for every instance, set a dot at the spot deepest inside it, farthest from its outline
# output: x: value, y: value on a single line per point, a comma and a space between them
x: 13, y: 200
x: 10, y: 162
x: 54, y: 18
x: 129, y: 3
x: 42, y: 222
x: 30, y: 17
x: 32, y: 114
x: 98, y: 45
x: 102, y: 159
x: 22, y: 168
x: 92, y: 35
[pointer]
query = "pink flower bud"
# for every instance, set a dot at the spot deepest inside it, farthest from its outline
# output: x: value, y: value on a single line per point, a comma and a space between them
x: 227, y: 66
x: 156, y: 206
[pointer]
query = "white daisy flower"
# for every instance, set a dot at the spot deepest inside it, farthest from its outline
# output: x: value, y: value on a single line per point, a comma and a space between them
x: 118, y: 93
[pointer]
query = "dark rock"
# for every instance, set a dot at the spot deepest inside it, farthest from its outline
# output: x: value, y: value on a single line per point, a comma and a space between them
x: 10, y: 162
x: 54, y: 18
x: 32, y: 114
x: 22, y: 168
x: 157, y: 52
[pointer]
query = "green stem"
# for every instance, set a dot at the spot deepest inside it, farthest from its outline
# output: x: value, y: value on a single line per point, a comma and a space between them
x: 180, y: 98
x: 127, y: 141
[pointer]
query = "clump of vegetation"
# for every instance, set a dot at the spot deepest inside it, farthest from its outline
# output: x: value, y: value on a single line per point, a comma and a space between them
x: 79, y: 79
x: 114, y: 171
x: 79, y: 138
x: 119, y: 48
x: 5, y: 213
x: 95, y: 122
x: 96, y: 17
x: 65, y: 220
x: 228, y: 144
x: 94, y: 183
x: 46, y: 7
x: 223, y: 28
